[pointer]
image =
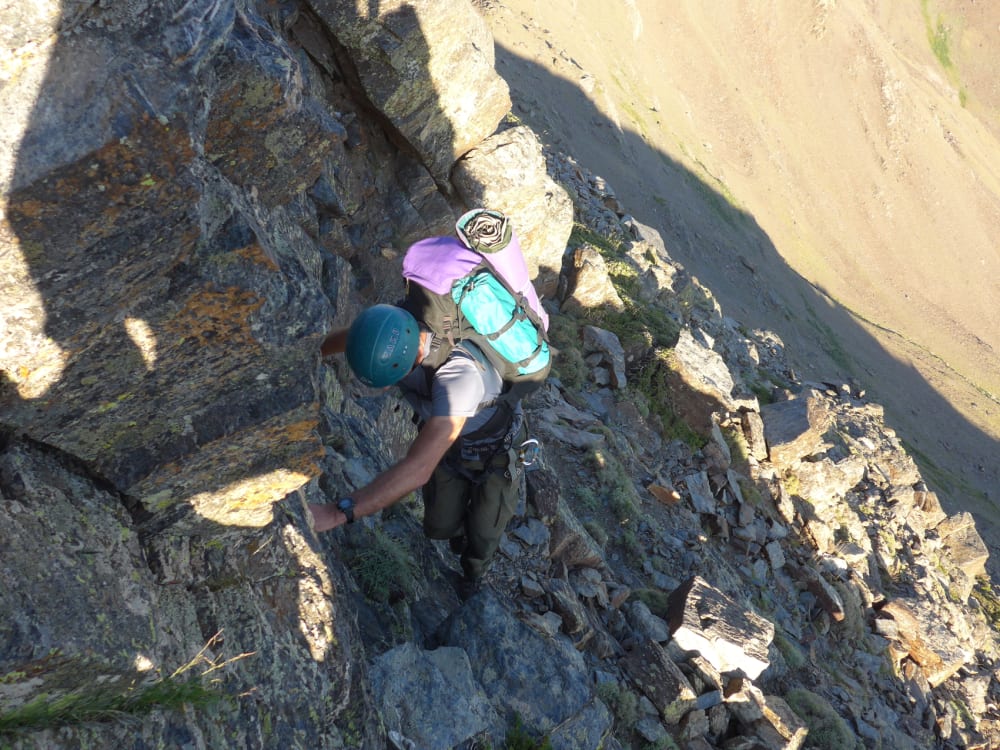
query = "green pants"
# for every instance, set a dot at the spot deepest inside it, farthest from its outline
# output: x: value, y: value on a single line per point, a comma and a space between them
x: 473, y: 499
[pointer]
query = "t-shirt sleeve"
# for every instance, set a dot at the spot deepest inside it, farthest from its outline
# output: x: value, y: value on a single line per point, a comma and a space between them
x: 457, y: 389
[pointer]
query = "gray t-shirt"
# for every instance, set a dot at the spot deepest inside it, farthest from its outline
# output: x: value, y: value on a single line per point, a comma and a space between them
x: 458, y: 389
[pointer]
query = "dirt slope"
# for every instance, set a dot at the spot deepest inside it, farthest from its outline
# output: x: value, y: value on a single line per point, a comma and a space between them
x: 821, y: 167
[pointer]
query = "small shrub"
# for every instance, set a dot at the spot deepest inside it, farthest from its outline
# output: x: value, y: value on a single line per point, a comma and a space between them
x: 630, y: 543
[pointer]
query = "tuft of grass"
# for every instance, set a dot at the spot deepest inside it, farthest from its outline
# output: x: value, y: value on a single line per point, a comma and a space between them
x: 383, y: 568
x: 116, y: 700
x: 656, y: 600
x: 609, y: 247
x: 519, y: 738
x: 104, y: 702
x: 568, y: 364
x: 793, y: 655
x: 597, y: 533
x: 623, y: 703
x: 940, y: 43
x: 653, y: 386
x: 827, y: 730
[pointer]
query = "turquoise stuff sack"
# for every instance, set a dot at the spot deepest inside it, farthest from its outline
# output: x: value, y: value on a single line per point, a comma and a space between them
x: 491, y: 309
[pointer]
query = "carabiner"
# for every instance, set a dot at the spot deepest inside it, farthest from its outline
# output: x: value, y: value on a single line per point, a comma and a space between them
x: 527, y: 452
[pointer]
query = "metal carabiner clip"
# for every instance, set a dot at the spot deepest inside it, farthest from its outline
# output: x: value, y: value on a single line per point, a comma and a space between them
x: 527, y: 452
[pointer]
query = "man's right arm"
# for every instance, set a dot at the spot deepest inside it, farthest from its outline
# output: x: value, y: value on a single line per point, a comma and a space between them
x: 414, y: 471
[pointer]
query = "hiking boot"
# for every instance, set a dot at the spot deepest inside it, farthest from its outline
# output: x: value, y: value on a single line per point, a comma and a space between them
x: 457, y: 544
x: 469, y: 587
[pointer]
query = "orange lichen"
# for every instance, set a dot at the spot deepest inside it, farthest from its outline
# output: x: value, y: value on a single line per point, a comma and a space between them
x: 212, y: 316
x: 256, y: 255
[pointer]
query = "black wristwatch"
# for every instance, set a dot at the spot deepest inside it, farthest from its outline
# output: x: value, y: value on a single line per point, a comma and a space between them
x: 346, y: 506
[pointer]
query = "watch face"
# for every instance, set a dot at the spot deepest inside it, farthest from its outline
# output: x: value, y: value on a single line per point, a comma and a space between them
x: 346, y: 506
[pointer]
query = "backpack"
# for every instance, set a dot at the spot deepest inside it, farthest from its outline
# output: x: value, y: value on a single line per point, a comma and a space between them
x: 462, y: 295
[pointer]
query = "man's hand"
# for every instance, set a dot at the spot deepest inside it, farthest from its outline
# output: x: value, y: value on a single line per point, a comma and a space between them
x: 326, y: 516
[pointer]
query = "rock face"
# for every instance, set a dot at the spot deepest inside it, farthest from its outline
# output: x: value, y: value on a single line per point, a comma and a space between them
x: 193, y: 195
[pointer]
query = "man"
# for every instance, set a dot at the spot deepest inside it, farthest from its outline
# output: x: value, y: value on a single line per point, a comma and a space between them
x: 465, y: 453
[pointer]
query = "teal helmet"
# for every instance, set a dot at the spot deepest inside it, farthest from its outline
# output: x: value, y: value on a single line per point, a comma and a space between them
x: 382, y: 345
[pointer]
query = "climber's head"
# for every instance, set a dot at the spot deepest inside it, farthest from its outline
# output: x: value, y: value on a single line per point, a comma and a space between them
x: 382, y: 345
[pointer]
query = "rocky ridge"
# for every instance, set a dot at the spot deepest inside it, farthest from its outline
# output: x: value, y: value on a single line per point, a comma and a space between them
x: 779, y: 575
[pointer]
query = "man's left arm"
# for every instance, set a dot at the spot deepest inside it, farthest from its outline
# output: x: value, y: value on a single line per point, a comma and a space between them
x: 334, y: 343
x: 415, y: 470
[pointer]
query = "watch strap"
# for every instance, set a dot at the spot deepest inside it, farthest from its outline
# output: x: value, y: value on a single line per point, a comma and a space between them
x: 346, y: 506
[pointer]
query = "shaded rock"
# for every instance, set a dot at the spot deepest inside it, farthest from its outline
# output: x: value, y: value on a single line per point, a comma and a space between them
x: 580, y: 439
x: 702, y: 383
x: 650, y: 626
x: 414, y: 687
x: 700, y: 492
x: 543, y: 492
x: 566, y: 604
x: 544, y: 681
x: 827, y: 597
x: 571, y: 544
x: 660, y: 680
x: 753, y: 431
